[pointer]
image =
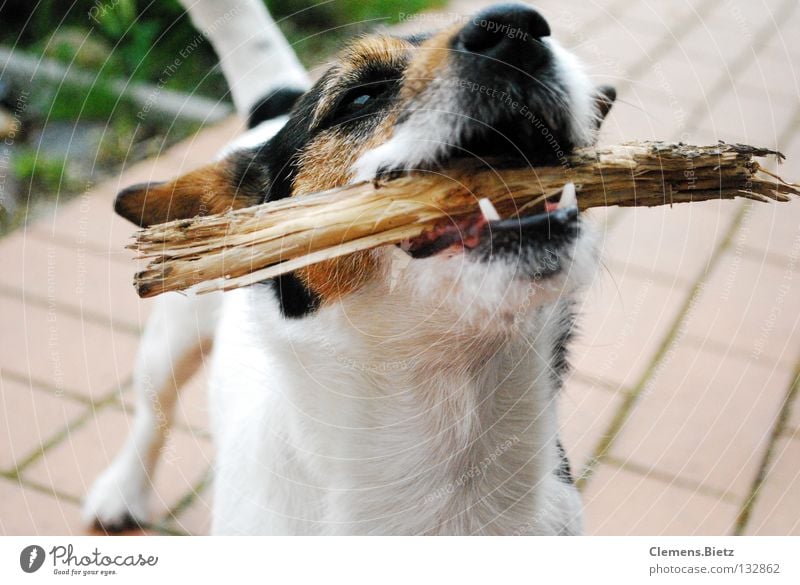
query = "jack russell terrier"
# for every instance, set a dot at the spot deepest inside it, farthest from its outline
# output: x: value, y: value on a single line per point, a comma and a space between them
x: 393, y: 391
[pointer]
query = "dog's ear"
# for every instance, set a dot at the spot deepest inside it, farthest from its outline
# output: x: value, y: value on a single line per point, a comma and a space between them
x: 604, y: 99
x: 231, y: 183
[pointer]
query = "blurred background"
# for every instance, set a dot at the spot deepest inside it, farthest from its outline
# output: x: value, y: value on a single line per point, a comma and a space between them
x: 681, y: 416
x: 87, y: 86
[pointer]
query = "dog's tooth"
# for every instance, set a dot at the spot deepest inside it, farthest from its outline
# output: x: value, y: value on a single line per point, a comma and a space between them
x: 568, y: 196
x: 488, y: 210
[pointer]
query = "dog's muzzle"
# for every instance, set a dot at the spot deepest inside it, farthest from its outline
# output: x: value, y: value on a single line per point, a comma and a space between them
x: 536, y: 240
x: 506, y: 33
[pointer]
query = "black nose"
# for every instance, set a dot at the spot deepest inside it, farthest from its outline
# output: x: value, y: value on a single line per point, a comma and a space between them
x: 498, y: 30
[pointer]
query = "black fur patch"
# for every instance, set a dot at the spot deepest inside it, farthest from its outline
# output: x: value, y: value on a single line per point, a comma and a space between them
x: 278, y: 103
x: 540, y: 242
x: 559, y: 362
x: 563, y: 471
x: 271, y: 169
x: 294, y: 298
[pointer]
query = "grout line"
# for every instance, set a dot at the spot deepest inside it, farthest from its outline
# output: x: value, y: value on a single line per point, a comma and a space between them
x: 41, y: 386
x: 658, y: 277
x: 670, y: 479
x: 60, y: 496
x: 65, y: 309
x: 165, y: 530
x: 667, y: 42
x: 76, y: 424
x: 13, y: 472
x: 187, y: 499
x: 44, y: 489
x: 718, y: 89
x: 595, y: 382
x: 44, y: 234
x: 781, y: 423
x: 767, y: 257
x: 708, y: 343
x: 629, y: 401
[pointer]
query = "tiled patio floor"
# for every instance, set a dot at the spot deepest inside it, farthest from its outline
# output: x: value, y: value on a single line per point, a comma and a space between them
x: 682, y: 416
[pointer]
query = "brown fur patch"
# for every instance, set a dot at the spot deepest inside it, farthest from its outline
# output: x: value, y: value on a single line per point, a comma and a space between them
x: 325, y: 164
x: 429, y: 61
x: 207, y: 190
x: 365, y: 52
x: 326, y: 161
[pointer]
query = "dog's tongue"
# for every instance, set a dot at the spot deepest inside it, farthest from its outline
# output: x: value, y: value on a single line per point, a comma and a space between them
x: 465, y: 233
x: 457, y: 234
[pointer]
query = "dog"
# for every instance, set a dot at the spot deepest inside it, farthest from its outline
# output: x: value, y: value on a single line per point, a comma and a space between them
x: 404, y: 390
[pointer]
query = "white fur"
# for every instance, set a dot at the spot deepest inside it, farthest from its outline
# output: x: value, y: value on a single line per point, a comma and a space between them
x: 423, y: 403
x: 431, y: 131
x: 178, y: 328
x: 254, y: 55
x: 363, y: 417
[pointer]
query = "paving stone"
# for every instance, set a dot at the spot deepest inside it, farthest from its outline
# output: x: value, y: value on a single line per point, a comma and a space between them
x: 775, y: 78
x: 616, y: 46
x: 585, y: 412
x: 681, y: 79
x: 784, y: 46
x: 77, y: 461
x: 751, y: 305
x: 793, y: 422
x: 622, y: 323
x: 570, y: 22
x: 753, y: 116
x: 773, y: 228
x: 72, y: 278
x: 704, y: 417
x: 30, y: 417
x: 663, y: 15
x: 723, y: 33
x: 196, y: 519
x: 27, y: 511
x: 644, y: 113
x: 777, y: 509
x: 676, y: 242
x: 62, y: 352
x: 620, y: 502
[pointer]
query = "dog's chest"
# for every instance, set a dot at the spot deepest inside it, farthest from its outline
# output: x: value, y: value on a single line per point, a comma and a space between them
x: 323, y: 431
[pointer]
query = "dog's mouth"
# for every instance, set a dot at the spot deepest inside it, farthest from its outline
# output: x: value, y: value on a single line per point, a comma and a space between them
x: 503, y: 145
x: 476, y: 231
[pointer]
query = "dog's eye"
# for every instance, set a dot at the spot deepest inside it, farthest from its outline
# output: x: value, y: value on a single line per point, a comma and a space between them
x: 359, y: 97
x: 361, y: 101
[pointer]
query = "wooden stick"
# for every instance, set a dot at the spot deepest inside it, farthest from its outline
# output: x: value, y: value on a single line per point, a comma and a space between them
x: 226, y: 251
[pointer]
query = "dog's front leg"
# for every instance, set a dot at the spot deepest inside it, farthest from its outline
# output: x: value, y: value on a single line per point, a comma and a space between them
x: 176, y: 334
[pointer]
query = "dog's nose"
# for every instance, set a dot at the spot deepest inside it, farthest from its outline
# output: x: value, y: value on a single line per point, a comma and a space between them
x: 500, y: 30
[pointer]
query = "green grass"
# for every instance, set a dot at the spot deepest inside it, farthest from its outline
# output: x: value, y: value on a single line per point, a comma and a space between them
x: 138, y: 40
x: 42, y: 173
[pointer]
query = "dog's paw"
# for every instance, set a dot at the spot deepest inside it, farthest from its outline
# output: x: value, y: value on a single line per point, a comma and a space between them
x: 117, y: 501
